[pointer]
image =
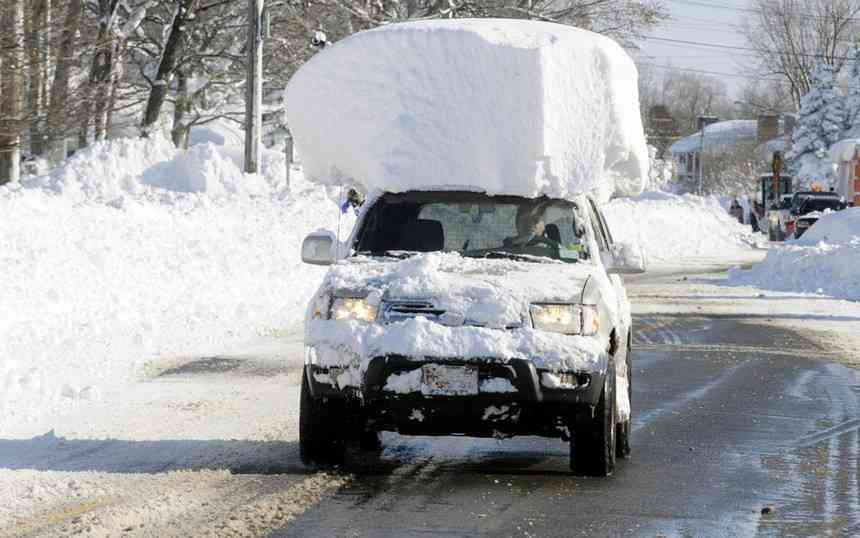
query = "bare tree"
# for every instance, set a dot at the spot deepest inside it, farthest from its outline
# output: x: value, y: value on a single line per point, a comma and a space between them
x: 11, y: 68
x: 789, y: 36
x: 58, y: 103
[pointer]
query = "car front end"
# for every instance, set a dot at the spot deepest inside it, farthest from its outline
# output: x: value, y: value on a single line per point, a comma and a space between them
x: 416, y: 367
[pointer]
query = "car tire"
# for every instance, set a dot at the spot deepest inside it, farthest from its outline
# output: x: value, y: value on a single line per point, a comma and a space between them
x: 592, y: 447
x: 623, y: 430
x: 322, y: 439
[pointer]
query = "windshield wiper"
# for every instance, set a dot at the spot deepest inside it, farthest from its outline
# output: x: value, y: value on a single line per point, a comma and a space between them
x: 399, y: 254
x: 497, y: 254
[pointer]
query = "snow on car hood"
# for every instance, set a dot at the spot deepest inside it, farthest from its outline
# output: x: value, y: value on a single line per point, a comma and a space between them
x: 489, y: 297
x: 492, y: 293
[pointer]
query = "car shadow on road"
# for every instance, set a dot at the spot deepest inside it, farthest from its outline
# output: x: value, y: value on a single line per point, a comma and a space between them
x: 51, y: 453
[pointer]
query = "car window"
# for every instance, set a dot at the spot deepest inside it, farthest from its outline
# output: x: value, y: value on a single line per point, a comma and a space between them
x: 606, y: 229
x: 476, y: 225
x: 599, y: 232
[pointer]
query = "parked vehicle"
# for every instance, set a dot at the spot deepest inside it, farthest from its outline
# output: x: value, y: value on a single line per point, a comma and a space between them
x: 780, y: 220
x: 808, y: 206
x: 767, y: 199
x: 470, y: 314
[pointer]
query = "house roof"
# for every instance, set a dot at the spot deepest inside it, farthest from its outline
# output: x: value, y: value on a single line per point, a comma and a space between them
x: 721, y: 135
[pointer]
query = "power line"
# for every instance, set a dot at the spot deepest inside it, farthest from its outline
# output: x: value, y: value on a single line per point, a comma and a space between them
x: 713, y: 73
x: 738, y: 47
x: 806, y: 14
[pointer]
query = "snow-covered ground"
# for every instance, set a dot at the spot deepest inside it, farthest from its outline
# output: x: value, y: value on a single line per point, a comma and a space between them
x: 824, y: 261
x: 830, y: 322
x: 150, y: 340
x: 682, y: 231
x: 134, y: 251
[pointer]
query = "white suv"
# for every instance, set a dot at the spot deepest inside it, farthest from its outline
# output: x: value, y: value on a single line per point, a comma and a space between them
x: 452, y: 312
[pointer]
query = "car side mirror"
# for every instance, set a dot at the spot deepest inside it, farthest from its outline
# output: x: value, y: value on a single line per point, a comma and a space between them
x: 626, y: 259
x: 318, y: 248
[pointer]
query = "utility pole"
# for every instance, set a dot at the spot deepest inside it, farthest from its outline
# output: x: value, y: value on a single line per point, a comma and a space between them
x: 254, y: 87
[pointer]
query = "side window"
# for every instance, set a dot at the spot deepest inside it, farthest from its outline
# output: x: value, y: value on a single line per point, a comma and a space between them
x: 606, y: 229
x: 597, y: 226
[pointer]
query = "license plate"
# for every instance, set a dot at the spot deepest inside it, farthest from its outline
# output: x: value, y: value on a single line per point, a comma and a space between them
x: 440, y: 380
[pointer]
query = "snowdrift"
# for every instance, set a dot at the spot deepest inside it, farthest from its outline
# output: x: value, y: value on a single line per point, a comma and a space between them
x: 134, y: 250
x: 826, y: 260
x: 502, y: 106
x: 679, y: 230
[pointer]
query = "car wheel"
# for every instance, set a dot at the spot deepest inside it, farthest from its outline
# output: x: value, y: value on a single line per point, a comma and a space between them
x: 592, y: 448
x: 322, y: 440
x: 624, y: 430
x: 770, y: 235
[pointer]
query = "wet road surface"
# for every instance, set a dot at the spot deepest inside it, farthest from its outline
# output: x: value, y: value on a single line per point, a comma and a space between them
x: 730, y: 417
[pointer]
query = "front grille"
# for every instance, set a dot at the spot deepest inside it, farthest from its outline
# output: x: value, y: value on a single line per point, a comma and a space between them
x: 401, y: 310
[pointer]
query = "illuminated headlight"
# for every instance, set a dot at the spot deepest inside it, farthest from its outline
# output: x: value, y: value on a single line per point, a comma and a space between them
x: 347, y: 308
x: 565, y: 318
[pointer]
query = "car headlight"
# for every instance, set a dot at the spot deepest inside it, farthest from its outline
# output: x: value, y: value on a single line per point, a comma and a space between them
x: 347, y: 308
x: 565, y: 318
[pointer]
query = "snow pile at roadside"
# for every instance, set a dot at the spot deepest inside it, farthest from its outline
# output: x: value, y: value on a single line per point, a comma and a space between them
x: 133, y: 249
x: 679, y: 230
x: 826, y: 260
x: 502, y: 106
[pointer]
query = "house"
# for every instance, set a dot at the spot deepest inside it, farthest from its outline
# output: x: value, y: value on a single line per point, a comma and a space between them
x: 768, y: 133
x: 845, y: 156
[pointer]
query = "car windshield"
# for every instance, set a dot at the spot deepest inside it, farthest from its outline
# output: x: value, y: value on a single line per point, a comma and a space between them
x: 475, y: 225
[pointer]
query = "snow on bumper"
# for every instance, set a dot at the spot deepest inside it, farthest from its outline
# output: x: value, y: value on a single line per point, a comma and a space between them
x: 347, y: 348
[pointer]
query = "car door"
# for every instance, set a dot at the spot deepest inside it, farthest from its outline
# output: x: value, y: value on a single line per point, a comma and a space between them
x: 605, y: 241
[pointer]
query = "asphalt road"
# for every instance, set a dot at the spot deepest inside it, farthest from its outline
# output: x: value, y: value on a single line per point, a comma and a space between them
x: 731, y: 419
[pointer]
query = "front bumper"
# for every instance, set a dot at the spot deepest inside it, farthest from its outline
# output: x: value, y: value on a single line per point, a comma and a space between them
x: 531, y: 409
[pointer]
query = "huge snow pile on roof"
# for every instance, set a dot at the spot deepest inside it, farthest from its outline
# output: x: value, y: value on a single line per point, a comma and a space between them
x: 502, y: 106
x: 134, y: 249
x: 824, y: 261
x: 679, y: 230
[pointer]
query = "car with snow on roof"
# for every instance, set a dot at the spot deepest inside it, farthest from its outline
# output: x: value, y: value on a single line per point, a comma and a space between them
x: 464, y: 313
x: 808, y: 206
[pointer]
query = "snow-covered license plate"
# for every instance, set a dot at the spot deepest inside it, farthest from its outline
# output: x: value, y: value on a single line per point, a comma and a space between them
x: 440, y: 380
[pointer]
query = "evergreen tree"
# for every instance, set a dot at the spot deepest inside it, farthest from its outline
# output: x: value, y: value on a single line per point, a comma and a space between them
x: 852, y: 97
x: 822, y: 118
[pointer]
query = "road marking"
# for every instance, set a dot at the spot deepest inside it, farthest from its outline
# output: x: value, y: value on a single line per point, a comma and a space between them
x: 731, y: 348
x: 839, y: 429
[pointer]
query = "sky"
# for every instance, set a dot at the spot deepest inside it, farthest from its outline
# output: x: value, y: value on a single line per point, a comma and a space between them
x: 713, y: 22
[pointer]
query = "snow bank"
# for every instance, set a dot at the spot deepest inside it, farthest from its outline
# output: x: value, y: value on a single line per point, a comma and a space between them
x: 835, y: 227
x: 678, y: 230
x: 133, y: 249
x: 826, y: 260
x: 503, y: 106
